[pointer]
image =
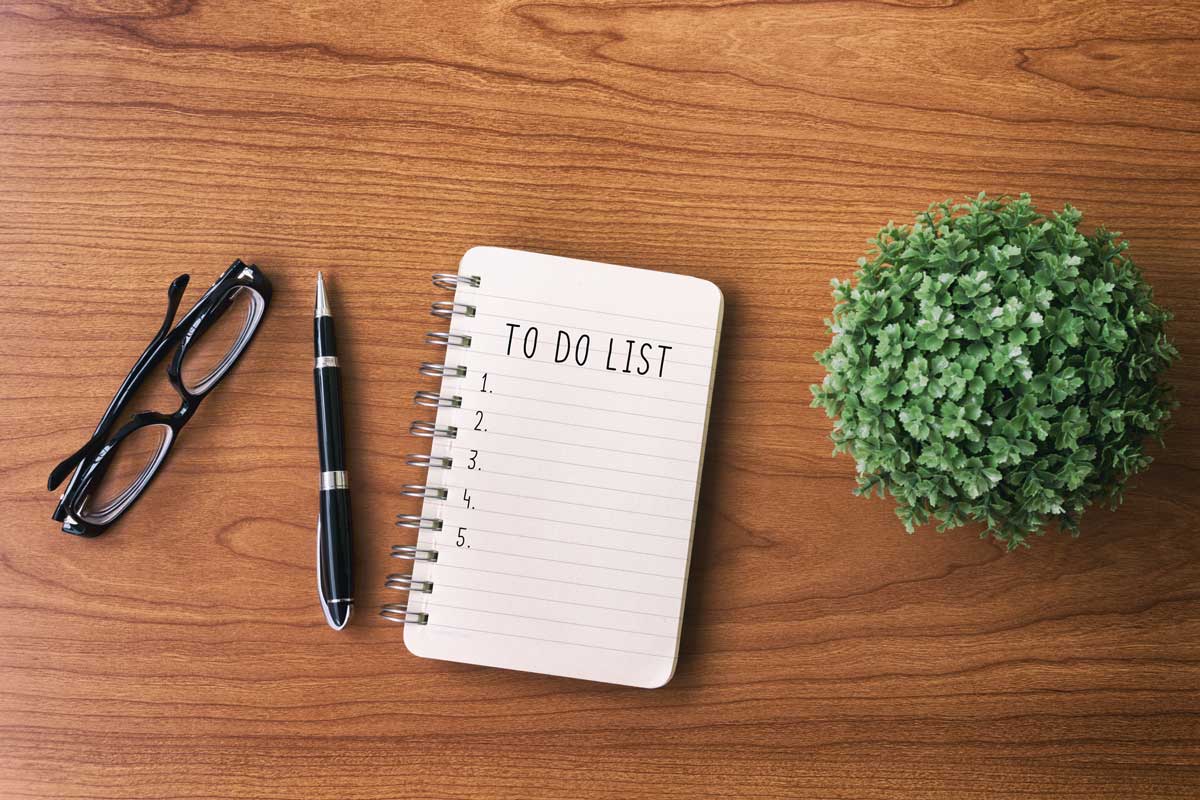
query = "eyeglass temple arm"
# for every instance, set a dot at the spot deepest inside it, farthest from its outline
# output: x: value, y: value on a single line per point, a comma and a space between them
x: 174, y: 296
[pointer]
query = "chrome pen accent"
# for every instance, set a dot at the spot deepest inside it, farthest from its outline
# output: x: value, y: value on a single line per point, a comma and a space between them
x: 334, y: 479
x: 322, y: 309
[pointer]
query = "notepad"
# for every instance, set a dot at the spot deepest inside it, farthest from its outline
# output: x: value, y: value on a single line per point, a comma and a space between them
x: 556, y: 529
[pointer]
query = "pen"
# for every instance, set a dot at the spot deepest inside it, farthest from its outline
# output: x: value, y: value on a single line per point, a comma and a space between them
x: 335, y: 551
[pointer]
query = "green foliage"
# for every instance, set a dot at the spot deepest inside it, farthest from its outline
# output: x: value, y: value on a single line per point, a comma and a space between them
x: 993, y: 365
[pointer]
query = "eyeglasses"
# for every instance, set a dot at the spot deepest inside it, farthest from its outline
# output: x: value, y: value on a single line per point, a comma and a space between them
x: 116, y: 465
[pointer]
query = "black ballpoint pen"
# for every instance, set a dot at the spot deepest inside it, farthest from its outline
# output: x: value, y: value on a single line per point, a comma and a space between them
x: 335, y: 551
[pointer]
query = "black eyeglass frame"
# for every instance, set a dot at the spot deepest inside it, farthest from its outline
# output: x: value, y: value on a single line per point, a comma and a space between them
x: 91, y: 460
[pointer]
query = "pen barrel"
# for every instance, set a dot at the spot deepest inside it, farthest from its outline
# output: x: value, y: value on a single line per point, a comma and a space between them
x: 335, y: 537
x: 327, y: 385
x: 324, y: 343
x: 337, y: 559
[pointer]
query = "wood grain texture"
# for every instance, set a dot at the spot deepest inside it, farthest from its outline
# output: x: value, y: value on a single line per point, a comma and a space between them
x: 756, y: 144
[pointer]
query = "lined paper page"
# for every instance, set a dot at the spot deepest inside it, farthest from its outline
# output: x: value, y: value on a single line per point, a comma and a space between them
x: 567, y: 527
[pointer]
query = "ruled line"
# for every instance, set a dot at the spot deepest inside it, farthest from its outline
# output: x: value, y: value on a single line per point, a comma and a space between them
x: 589, y: 388
x: 702, y: 384
x: 490, y: 295
x: 593, y: 408
x: 538, y: 598
x: 579, y: 524
x: 495, y: 452
x: 625, y: 550
x: 588, y: 446
x: 552, y: 641
x: 442, y: 565
x: 584, y: 485
x: 576, y: 563
x: 578, y: 425
x: 430, y: 606
x: 483, y: 490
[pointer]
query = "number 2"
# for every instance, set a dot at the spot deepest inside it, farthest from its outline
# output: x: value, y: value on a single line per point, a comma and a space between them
x: 479, y: 422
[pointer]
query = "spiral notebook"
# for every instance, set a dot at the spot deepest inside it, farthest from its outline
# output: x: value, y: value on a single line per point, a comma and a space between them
x: 556, y: 526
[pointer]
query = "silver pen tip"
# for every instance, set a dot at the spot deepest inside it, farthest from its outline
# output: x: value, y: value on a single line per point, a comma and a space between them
x: 322, y: 308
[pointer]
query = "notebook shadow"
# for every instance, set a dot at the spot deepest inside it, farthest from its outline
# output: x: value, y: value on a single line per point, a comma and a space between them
x: 712, y: 496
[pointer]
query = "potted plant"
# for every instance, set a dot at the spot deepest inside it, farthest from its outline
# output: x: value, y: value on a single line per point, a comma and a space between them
x: 993, y: 365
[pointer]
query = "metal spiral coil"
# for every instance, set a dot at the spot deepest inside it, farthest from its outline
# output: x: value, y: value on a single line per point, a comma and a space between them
x: 445, y: 309
x: 417, y: 521
x: 435, y: 400
x: 450, y: 281
x: 444, y: 339
x: 422, y: 461
x: 399, y: 612
x: 429, y: 430
x: 421, y: 490
x: 410, y: 552
x: 404, y: 582
x: 448, y: 308
x: 442, y: 370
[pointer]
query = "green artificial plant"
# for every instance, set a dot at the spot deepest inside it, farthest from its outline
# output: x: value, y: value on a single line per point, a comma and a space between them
x: 993, y: 365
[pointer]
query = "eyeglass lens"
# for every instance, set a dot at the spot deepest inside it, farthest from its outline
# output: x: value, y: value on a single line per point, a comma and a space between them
x: 212, y: 354
x: 126, y: 470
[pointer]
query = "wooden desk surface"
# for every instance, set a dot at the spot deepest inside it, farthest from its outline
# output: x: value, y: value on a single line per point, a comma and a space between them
x: 825, y: 653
